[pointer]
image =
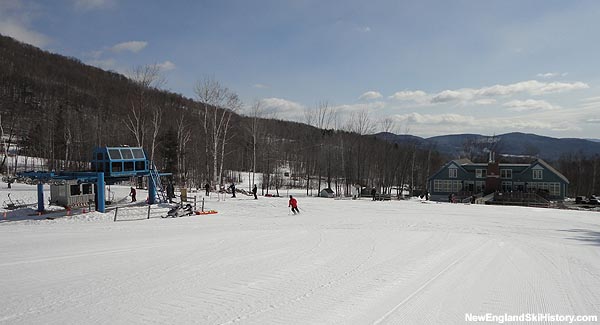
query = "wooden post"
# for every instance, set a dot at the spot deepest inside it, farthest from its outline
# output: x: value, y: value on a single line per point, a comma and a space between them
x: 149, y: 211
x: 116, y: 210
x: 194, y: 203
x: 202, y: 204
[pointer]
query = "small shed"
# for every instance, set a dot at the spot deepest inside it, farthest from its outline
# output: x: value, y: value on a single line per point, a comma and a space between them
x: 326, y: 192
x: 71, y: 194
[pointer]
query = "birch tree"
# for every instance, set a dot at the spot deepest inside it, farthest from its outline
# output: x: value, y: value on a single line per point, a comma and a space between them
x: 218, y: 105
x: 184, y: 135
x: 146, y: 78
x: 6, y: 140
x: 256, y: 113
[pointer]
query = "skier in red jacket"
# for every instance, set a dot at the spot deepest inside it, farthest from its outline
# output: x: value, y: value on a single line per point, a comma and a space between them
x: 294, y: 204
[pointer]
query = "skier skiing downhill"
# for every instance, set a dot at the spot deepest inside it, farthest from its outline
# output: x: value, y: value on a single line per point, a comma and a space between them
x: 294, y: 204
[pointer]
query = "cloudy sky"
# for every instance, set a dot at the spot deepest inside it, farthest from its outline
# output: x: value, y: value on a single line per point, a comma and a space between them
x: 434, y: 67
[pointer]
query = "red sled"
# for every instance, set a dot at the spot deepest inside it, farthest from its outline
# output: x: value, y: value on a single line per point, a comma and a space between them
x: 206, y: 212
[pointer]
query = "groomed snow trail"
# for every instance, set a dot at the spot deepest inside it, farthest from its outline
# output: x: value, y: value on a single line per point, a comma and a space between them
x: 338, y: 262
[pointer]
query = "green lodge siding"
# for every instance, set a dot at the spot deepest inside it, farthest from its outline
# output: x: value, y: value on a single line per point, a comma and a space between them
x: 465, y: 178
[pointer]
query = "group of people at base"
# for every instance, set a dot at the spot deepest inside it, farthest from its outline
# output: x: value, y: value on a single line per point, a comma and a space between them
x: 232, y: 188
x: 170, y: 193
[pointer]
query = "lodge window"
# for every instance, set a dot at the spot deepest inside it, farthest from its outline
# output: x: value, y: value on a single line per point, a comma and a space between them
x: 452, y: 172
x: 447, y: 186
x: 552, y: 188
x: 480, y: 173
x: 506, y: 173
x: 479, y: 186
x: 537, y: 174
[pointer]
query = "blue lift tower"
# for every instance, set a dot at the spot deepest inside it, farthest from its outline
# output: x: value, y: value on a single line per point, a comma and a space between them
x: 109, y: 165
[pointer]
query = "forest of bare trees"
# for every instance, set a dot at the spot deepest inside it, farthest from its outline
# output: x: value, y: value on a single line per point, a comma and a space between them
x: 59, y: 109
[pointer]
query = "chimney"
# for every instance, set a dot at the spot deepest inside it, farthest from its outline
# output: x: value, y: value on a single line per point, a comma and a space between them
x: 492, y: 181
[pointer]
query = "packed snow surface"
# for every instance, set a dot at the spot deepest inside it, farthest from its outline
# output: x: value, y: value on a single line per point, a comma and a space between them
x: 337, y: 262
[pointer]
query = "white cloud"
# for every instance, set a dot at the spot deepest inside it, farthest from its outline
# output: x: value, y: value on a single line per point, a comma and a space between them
x: 352, y: 108
x: 370, y: 95
x: 261, y: 86
x: 283, y: 108
x: 131, y: 46
x: 529, y: 105
x: 527, y: 125
x: 92, y: 4
x: 21, y: 32
x: 549, y: 75
x: 452, y: 95
x: 414, y: 95
x: 445, y: 119
x: 364, y: 29
x: 485, y: 101
x: 166, y: 66
x: 15, y: 21
x: 591, y: 99
x: 532, y: 87
x: 436, y: 124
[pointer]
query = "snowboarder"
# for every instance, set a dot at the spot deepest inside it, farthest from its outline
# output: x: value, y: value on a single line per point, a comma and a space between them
x: 254, y: 190
x: 232, y: 187
x: 207, y: 188
x: 132, y: 194
x: 294, y: 204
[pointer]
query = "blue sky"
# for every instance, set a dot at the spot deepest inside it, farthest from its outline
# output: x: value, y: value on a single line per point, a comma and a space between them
x: 433, y: 67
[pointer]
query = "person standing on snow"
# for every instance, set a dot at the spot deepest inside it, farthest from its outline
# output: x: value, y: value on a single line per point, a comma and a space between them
x: 294, y: 204
x: 170, y: 192
x: 132, y: 194
x: 232, y: 187
x: 207, y: 188
x: 254, y: 190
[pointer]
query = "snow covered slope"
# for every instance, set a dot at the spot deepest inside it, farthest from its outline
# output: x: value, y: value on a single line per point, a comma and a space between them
x: 338, y: 262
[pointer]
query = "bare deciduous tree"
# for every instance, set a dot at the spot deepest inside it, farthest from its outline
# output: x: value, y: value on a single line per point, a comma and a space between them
x: 218, y: 103
x: 323, y: 116
x: 388, y: 125
x: 146, y: 78
x: 6, y: 140
x: 256, y: 113
x: 360, y: 123
x: 184, y: 135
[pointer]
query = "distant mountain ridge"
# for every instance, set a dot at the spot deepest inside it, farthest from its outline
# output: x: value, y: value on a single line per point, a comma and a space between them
x: 514, y: 144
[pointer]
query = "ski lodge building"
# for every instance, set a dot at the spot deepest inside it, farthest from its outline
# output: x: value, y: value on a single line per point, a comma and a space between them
x: 497, y: 183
